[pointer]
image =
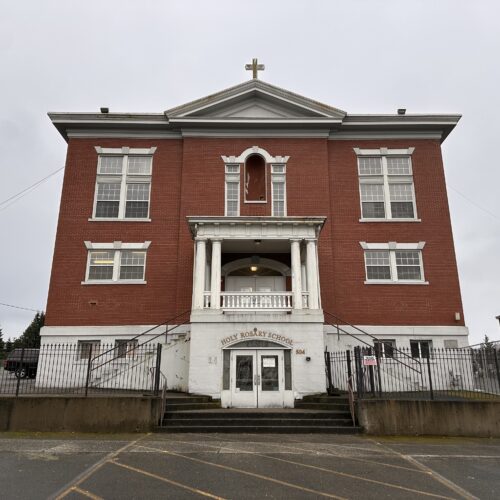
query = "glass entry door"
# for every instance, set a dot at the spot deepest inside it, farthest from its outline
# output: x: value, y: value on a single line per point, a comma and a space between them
x: 257, y: 378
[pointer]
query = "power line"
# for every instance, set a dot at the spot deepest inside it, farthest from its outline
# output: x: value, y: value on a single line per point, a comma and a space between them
x: 19, y: 307
x: 485, y: 210
x: 21, y: 194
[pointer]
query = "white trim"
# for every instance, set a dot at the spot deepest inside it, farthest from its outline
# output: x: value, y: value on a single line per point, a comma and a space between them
x: 124, y: 150
x: 390, y: 220
x: 114, y: 219
x: 254, y: 150
x: 390, y: 282
x: 117, y: 245
x: 380, y: 135
x: 392, y: 245
x: 264, y: 262
x: 384, y: 152
x: 114, y: 282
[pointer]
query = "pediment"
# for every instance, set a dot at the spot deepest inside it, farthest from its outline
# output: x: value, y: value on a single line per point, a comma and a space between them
x: 254, y: 100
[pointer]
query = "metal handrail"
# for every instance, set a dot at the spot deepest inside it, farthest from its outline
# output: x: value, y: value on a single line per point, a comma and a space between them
x: 131, y: 349
x: 350, y: 393
x: 363, y: 332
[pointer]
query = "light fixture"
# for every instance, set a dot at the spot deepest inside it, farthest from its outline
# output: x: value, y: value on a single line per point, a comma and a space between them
x: 257, y: 242
x: 253, y: 268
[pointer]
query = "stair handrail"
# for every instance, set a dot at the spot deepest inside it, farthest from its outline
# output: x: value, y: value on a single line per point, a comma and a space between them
x: 145, y: 332
x: 364, y: 332
x: 350, y: 393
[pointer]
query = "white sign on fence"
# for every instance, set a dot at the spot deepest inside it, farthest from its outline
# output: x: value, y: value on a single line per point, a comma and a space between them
x: 369, y: 361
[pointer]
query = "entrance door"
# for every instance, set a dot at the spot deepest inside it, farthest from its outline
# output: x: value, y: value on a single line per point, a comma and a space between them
x: 257, y: 378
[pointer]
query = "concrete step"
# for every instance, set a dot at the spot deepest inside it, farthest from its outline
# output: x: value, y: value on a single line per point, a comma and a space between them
x: 267, y: 429
x: 326, y: 399
x: 188, y: 399
x: 191, y: 406
x: 226, y: 414
x: 256, y: 422
x: 322, y: 406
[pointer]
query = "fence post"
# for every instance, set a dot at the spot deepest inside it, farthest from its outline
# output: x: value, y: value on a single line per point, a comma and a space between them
x: 89, y: 366
x: 328, y: 361
x: 429, y: 373
x: 19, y: 373
x: 359, y: 372
x: 377, y: 357
x: 497, y: 365
x: 348, y: 359
x: 157, y: 370
x: 370, y: 371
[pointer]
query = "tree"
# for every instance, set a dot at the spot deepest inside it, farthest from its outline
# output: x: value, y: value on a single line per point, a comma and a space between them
x: 2, y: 343
x: 31, y: 336
x: 487, y: 344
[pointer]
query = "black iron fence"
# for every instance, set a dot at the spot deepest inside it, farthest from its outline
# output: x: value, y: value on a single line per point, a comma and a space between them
x: 468, y: 373
x: 85, y: 368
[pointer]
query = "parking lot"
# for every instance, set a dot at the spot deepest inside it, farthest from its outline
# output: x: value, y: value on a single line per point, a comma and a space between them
x: 246, y: 466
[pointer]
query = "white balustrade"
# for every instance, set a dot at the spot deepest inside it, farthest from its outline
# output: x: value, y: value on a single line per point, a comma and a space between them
x: 278, y: 301
x: 305, y: 300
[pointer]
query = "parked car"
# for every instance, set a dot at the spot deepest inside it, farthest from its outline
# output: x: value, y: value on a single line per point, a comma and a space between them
x: 25, y: 368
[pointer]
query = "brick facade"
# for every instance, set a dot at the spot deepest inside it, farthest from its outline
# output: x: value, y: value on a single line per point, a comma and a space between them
x: 188, y: 179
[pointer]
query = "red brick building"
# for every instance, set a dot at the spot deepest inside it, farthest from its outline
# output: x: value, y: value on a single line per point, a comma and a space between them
x: 258, y: 213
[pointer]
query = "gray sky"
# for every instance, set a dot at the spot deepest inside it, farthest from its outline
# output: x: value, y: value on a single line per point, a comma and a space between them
x: 361, y: 56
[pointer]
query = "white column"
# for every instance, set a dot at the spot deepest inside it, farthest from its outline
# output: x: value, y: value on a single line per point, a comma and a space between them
x: 215, y: 283
x: 312, y: 274
x: 199, y: 273
x: 296, y: 274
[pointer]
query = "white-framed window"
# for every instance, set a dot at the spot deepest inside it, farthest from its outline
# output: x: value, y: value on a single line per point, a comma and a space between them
x: 232, y: 191
x: 117, y: 262
x: 394, y: 262
x: 278, y: 191
x: 421, y: 349
x: 123, y: 184
x: 384, y: 348
x: 88, y: 348
x: 386, y: 184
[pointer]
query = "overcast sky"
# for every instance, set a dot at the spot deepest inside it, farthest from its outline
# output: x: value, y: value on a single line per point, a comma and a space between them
x: 361, y: 56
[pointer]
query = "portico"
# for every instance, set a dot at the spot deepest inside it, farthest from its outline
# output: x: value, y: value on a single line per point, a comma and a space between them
x: 292, y: 239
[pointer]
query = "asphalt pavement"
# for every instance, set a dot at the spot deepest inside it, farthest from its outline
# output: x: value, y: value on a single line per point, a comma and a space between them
x: 245, y: 466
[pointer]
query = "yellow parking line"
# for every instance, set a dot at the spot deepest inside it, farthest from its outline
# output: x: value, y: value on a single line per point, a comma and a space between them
x: 86, y: 493
x: 240, y: 471
x: 322, y: 469
x: 169, y: 481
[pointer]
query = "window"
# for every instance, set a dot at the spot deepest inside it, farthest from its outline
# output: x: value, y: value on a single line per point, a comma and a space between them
x: 123, y: 183
x: 232, y: 190
x: 386, y: 184
x: 88, y: 348
x: 384, y: 348
x: 116, y: 262
x: 420, y: 348
x: 255, y: 179
x: 278, y: 173
x: 125, y: 348
x: 393, y: 262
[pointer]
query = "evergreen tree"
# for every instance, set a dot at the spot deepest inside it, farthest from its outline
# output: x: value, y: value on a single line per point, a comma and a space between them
x: 31, y: 336
x: 487, y: 344
x: 2, y: 343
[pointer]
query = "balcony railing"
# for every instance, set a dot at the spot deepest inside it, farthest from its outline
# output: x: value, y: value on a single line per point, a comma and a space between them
x: 268, y: 301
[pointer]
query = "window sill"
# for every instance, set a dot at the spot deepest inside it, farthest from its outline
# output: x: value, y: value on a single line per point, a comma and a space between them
x: 401, y: 282
x: 116, y: 219
x: 256, y: 201
x: 390, y: 220
x: 118, y: 282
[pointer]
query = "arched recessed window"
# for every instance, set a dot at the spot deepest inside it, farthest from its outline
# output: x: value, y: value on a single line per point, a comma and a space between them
x: 255, y: 179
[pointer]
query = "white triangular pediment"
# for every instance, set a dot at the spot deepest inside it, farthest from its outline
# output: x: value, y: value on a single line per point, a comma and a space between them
x: 255, y: 100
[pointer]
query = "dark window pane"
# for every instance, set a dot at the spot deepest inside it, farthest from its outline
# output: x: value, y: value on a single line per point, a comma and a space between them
x: 373, y: 210
x: 389, y: 349
x: 244, y: 373
x: 402, y: 210
x: 107, y: 208
x: 415, y: 353
x: 425, y: 348
x: 225, y: 369
x: 378, y: 272
x: 288, y: 370
x: 409, y: 273
x: 131, y: 272
x: 136, y: 209
x: 269, y: 372
x: 100, y: 272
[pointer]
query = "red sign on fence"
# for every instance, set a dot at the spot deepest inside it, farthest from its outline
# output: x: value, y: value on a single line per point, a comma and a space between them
x: 369, y: 361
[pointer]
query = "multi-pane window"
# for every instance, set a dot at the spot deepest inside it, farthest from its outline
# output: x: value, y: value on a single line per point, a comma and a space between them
x: 394, y: 266
x: 384, y: 348
x: 232, y: 205
x: 386, y: 187
x: 88, y: 349
x: 116, y: 266
x: 420, y: 348
x: 125, y: 348
x: 123, y: 186
x: 132, y: 264
x: 278, y: 176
